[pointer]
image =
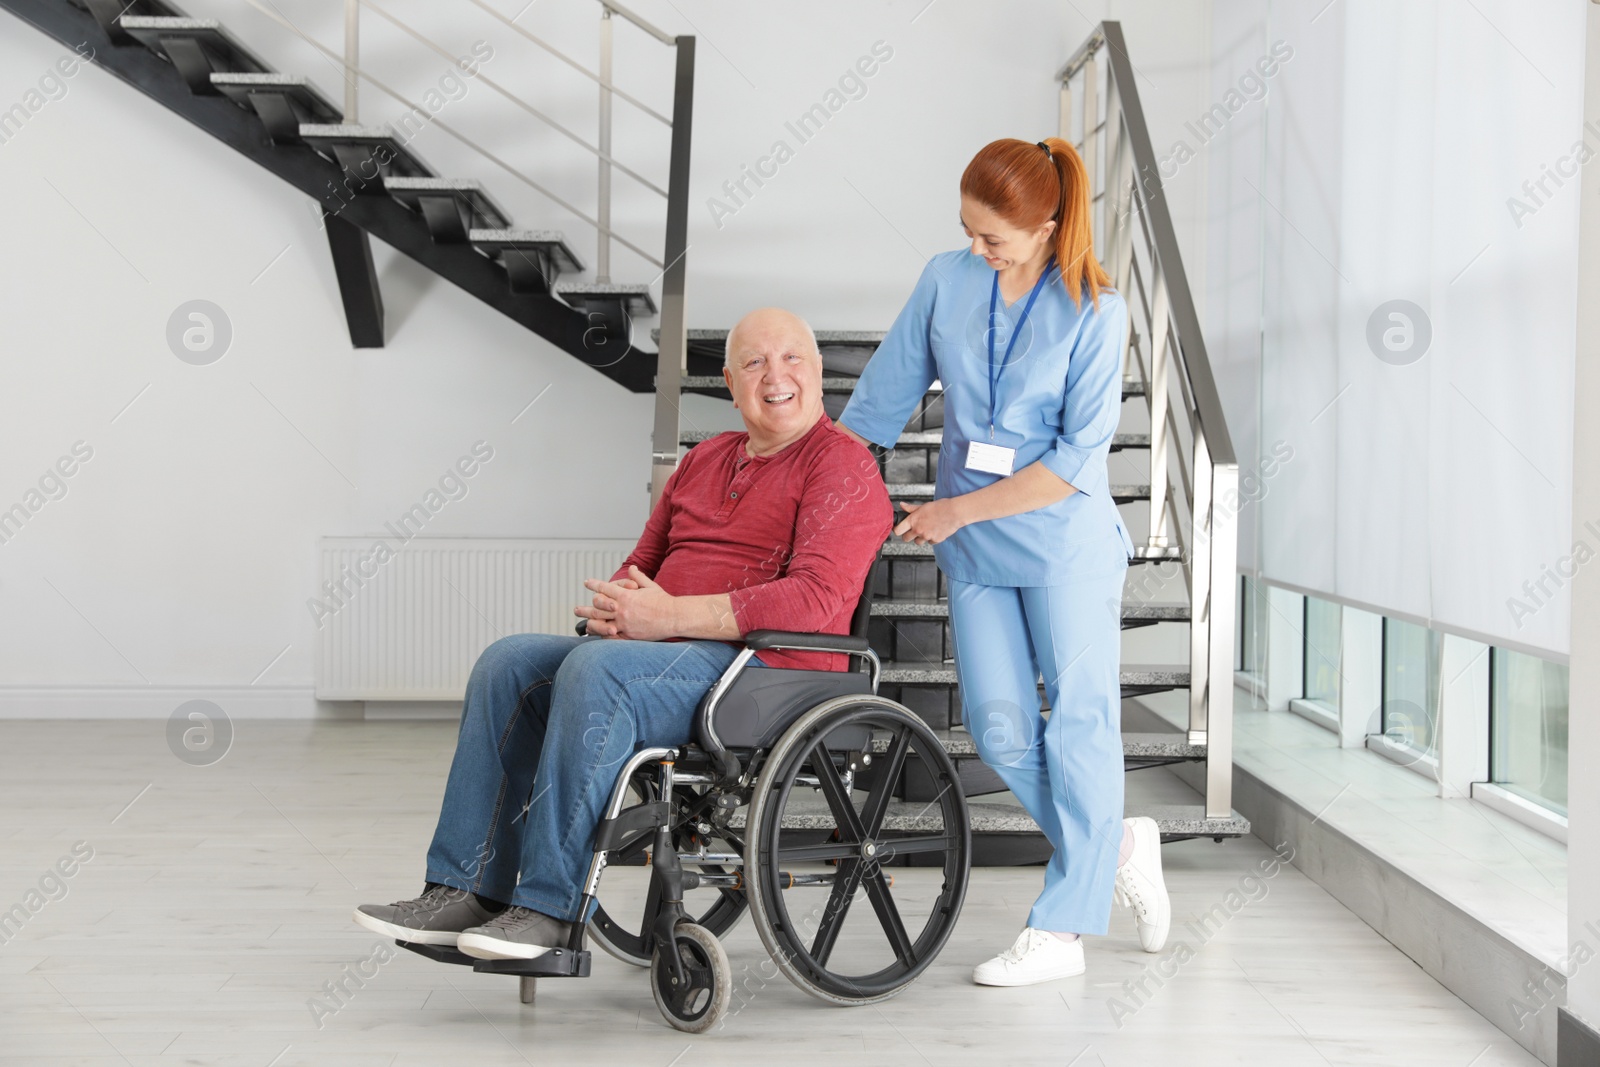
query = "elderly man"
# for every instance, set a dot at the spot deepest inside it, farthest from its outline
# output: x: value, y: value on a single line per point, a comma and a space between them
x: 773, y: 528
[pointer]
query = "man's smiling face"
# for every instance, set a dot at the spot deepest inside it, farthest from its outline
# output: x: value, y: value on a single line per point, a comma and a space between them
x: 775, y: 374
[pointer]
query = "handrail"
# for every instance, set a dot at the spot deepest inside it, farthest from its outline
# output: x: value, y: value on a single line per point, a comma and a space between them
x: 659, y: 34
x: 1140, y: 249
x: 1147, y: 175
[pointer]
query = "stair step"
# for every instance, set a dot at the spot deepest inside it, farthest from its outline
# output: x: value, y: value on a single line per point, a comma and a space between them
x: 198, y: 48
x: 940, y: 609
x: 894, y: 548
x: 635, y: 299
x: 452, y: 207
x: 533, y: 259
x: 356, y: 148
x: 1142, y: 677
x: 927, y: 439
x: 1000, y: 817
x: 281, y: 101
x: 959, y: 744
x: 1122, y: 494
x: 824, y: 337
x: 713, y: 385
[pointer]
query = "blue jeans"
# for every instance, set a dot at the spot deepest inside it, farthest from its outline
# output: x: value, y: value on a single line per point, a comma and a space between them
x: 547, y: 726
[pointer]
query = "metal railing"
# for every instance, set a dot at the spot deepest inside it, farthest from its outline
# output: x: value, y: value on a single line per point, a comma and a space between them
x: 1194, y: 475
x: 673, y: 347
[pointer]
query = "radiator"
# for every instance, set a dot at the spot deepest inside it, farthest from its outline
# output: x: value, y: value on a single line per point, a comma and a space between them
x: 409, y: 625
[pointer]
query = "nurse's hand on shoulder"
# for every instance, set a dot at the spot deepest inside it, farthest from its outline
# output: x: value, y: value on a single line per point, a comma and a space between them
x: 930, y: 523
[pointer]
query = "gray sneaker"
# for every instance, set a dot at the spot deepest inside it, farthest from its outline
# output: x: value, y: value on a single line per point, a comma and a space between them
x: 434, y: 918
x: 515, y: 934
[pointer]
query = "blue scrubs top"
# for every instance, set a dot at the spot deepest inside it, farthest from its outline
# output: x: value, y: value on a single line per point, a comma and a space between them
x: 1058, y: 400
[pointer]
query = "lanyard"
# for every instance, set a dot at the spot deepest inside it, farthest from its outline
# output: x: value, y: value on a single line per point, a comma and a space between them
x: 994, y: 297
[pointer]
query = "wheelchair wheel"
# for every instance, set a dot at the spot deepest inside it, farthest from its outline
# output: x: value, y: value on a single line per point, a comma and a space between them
x: 697, y: 1004
x: 632, y: 940
x: 801, y: 844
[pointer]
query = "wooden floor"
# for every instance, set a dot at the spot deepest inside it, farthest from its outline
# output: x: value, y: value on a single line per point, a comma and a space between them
x: 216, y: 905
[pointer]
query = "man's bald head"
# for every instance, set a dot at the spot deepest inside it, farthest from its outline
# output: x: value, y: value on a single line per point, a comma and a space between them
x: 768, y: 325
x: 774, y: 371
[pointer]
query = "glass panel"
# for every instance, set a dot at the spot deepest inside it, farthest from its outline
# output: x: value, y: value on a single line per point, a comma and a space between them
x: 1252, y: 625
x: 1322, y: 651
x: 1411, y: 685
x: 1528, y: 728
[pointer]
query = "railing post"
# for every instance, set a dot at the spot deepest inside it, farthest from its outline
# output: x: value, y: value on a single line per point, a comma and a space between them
x: 1220, y: 623
x: 673, y: 352
x: 1064, y: 118
x: 352, y: 60
x: 1158, y: 398
x: 1200, y: 550
x: 602, y: 255
x: 1091, y: 107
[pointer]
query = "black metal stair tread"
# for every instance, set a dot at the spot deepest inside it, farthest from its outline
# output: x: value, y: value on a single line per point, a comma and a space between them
x: 841, y: 384
x: 149, y: 29
x: 805, y: 812
x: 635, y: 296
x: 824, y: 337
x: 552, y: 241
x: 489, y: 213
x: 940, y: 609
x: 959, y: 744
x: 714, y: 382
x: 1122, y: 494
x: 1001, y: 817
x: 404, y: 161
x: 923, y: 438
x: 237, y: 85
x: 941, y: 672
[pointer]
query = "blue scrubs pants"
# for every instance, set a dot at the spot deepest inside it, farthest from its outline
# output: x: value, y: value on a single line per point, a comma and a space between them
x: 1066, y: 770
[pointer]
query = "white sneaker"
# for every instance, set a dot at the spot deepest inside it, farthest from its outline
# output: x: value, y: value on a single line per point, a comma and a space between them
x: 1141, y: 887
x: 1037, y: 956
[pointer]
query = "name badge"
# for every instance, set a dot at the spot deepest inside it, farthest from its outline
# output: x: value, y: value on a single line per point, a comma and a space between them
x: 991, y: 459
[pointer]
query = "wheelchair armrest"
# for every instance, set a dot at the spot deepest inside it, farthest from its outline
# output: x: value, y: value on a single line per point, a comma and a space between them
x: 759, y: 640
x: 583, y: 627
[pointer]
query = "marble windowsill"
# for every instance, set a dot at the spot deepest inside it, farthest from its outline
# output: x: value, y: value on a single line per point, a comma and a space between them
x: 1505, y: 875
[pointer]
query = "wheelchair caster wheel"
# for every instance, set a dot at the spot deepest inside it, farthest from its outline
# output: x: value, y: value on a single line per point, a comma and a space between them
x: 697, y: 1004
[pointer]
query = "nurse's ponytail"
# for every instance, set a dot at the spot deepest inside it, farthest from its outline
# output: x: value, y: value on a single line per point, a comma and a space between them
x: 1030, y: 183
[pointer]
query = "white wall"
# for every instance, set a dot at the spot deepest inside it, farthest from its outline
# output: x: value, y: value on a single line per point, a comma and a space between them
x: 183, y: 553
x: 1392, y: 143
x: 1583, y: 739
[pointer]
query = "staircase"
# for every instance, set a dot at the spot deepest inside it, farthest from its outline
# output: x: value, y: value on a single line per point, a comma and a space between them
x: 1171, y: 414
x: 910, y: 627
x: 371, y: 182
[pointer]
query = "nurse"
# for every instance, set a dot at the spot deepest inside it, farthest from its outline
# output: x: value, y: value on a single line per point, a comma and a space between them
x: 1025, y: 333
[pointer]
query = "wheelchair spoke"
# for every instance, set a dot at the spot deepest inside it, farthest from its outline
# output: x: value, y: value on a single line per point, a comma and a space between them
x: 905, y: 846
x: 844, y: 887
x: 877, y: 805
x: 828, y: 850
x: 839, y: 800
x: 889, y: 915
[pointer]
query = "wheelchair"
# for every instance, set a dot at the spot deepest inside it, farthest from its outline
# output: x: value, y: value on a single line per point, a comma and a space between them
x: 781, y: 806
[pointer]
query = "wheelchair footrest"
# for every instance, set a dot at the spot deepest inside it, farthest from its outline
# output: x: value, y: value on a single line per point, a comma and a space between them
x: 557, y: 963
x: 440, y: 953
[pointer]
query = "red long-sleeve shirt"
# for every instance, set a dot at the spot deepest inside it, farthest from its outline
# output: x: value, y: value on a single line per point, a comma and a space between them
x: 789, y: 537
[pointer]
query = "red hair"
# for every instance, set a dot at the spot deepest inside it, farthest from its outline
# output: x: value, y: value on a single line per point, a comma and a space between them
x: 1028, y: 187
